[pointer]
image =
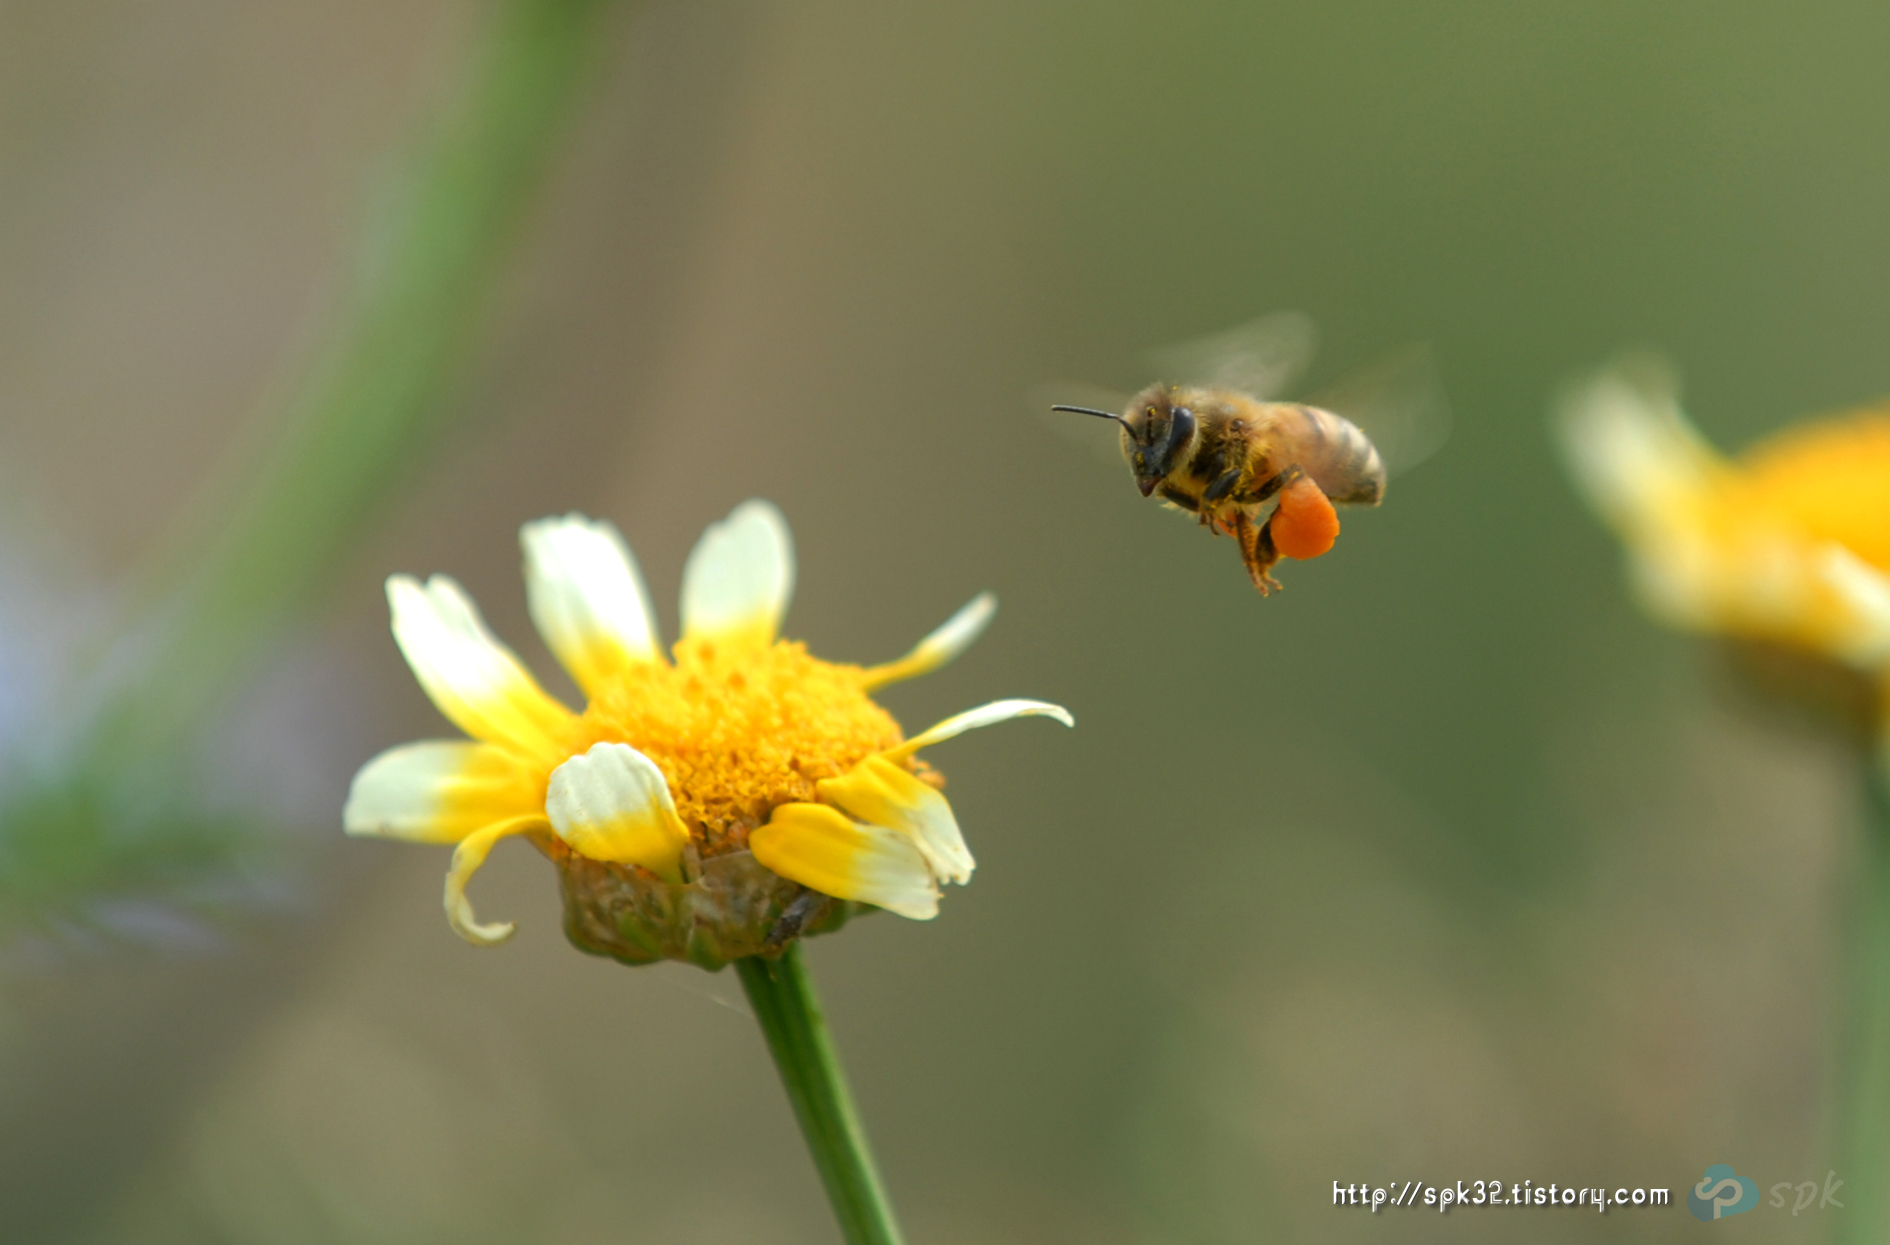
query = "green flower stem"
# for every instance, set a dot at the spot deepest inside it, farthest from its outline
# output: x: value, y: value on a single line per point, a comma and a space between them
x: 783, y: 997
x: 379, y: 389
x: 1863, y: 1106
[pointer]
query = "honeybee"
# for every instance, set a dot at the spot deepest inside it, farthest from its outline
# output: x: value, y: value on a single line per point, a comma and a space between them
x: 1220, y: 453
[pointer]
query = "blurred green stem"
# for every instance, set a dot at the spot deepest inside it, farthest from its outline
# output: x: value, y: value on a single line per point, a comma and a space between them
x: 378, y: 392
x: 783, y: 997
x: 1863, y: 1104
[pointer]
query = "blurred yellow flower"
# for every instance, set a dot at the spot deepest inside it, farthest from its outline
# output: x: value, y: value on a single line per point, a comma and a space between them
x: 1789, y: 543
x: 681, y: 798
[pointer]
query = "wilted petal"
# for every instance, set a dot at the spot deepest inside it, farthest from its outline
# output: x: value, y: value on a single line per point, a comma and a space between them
x: 474, y: 680
x: 984, y: 715
x: 467, y: 857
x: 613, y: 803
x: 739, y: 577
x: 882, y: 793
x: 949, y: 640
x: 823, y: 848
x: 437, y: 791
x: 587, y: 598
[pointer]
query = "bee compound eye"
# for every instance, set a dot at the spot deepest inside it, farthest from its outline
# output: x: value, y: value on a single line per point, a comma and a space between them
x: 1180, y: 427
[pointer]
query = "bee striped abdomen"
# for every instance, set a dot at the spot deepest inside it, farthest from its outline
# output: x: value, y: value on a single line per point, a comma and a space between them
x: 1341, y: 459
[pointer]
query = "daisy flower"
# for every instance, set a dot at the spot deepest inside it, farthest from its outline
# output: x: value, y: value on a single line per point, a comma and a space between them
x: 704, y: 806
x: 1789, y: 543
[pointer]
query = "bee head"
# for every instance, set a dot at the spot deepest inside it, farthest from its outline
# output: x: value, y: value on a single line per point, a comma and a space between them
x: 1155, y: 434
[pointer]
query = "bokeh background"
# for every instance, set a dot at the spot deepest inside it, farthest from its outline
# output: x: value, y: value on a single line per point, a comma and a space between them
x: 1442, y: 864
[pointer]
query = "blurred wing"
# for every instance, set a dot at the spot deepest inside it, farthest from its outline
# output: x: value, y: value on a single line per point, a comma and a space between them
x: 1398, y: 402
x: 1262, y: 357
x: 1102, y: 437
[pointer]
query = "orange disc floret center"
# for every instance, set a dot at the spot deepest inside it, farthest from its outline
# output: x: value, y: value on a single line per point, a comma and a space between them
x: 739, y: 730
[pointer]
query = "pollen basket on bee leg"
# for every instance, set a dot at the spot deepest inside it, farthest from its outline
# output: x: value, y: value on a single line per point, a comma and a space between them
x: 1305, y: 525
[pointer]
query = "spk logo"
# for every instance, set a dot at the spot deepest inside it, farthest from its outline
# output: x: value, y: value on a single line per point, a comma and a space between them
x: 1721, y: 1194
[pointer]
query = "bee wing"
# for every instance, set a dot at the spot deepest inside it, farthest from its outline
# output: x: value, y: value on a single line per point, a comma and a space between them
x: 1102, y: 437
x: 1398, y: 401
x: 1262, y: 357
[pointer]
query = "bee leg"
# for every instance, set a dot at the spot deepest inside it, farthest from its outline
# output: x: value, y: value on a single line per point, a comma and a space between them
x: 1257, y: 551
x: 1223, y: 485
x: 1271, y: 485
x: 1180, y: 497
x: 1211, y: 498
x: 806, y: 907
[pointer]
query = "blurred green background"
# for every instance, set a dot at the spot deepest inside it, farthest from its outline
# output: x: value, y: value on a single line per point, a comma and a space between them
x: 1443, y: 864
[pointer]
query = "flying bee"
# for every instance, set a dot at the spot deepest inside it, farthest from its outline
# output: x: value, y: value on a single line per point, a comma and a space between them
x: 1220, y: 453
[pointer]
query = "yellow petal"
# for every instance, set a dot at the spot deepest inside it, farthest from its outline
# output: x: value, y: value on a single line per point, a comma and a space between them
x: 467, y: 857
x: 984, y: 715
x: 474, y: 680
x: 822, y: 848
x: 884, y: 794
x: 438, y: 791
x: 587, y: 598
x: 613, y: 803
x: 949, y: 640
x: 739, y: 577
x: 1828, y: 479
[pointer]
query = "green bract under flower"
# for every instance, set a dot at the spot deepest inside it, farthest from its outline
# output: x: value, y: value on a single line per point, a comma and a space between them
x: 696, y: 803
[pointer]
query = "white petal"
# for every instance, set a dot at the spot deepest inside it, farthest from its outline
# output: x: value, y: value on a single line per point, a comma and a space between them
x: 947, y: 642
x: 437, y: 791
x: 467, y: 857
x: 1632, y: 450
x: 739, y: 577
x: 823, y: 848
x: 613, y: 803
x: 474, y: 680
x: 1864, y: 592
x: 984, y: 715
x: 883, y: 793
x: 587, y: 598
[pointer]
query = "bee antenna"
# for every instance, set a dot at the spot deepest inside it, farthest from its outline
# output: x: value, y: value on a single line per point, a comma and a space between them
x: 1090, y: 410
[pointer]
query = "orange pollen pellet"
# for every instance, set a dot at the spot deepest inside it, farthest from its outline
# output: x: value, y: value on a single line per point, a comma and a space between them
x: 1305, y: 525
